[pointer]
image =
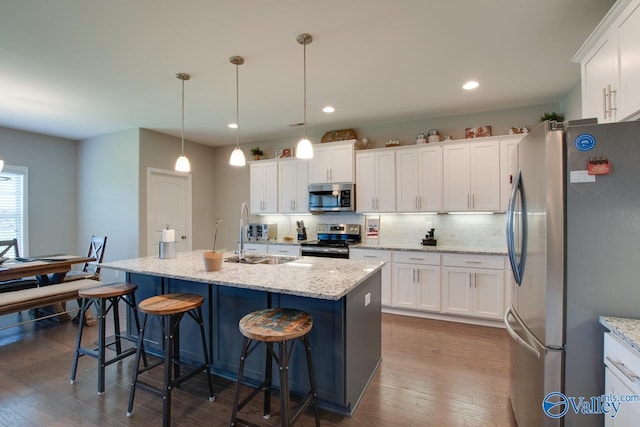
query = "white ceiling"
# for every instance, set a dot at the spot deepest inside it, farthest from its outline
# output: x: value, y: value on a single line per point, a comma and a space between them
x: 79, y: 69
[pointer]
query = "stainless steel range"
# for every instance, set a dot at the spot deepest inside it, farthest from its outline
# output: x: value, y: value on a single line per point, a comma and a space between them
x: 333, y: 240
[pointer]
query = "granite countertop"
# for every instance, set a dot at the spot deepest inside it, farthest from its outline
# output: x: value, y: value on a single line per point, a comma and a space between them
x: 315, y: 277
x: 409, y: 247
x: 626, y: 329
x: 438, y: 249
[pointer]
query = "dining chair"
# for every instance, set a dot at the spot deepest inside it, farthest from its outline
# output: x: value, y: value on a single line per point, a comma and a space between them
x: 16, y: 284
x: 90, y: 270
x: 7, y: 245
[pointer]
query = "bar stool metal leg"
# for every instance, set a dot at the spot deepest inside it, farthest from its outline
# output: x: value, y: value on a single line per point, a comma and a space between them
x: 312, y: 380
x: 85, y: 304
x: 136, y: 366
x: 102, y: 314
x: 268, y: 379
x: 284, y: 384
x: 207, y: 357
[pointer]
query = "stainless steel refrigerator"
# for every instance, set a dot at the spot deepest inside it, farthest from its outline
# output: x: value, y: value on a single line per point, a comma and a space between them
x: 573, y: 235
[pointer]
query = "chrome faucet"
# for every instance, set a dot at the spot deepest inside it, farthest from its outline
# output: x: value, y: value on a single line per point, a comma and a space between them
x: 244, y: 220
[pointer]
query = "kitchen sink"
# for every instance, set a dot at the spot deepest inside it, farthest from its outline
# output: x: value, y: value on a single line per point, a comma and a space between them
x: 261, y: 259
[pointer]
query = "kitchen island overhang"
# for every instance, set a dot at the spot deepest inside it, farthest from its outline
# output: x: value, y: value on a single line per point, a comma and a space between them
x: 342, y: 296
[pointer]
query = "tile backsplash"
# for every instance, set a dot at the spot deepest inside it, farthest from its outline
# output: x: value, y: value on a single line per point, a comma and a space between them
x: 479, y: 231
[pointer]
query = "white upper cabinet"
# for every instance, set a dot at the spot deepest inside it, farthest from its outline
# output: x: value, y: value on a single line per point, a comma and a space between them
x: 375, y: 181
x: 610, y: 66
x: 419, y: 179
x: 472, y: 176
x: 293, y: 181
x: 332, y: 162
x: 263, y: 197
x: 508, y: 167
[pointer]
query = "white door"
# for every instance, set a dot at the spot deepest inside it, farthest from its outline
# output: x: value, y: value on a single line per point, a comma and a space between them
x: 168, y: 204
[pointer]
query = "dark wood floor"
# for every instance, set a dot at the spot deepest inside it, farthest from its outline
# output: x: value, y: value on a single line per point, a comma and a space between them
x: 433, y: 373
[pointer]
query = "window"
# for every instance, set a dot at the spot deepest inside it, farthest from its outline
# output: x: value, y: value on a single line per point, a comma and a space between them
x: 13, y: 207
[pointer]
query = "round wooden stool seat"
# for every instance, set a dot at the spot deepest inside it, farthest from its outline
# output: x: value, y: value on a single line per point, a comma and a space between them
x: 162, y: 305
x: 275, y: 324
x: 108, y: 291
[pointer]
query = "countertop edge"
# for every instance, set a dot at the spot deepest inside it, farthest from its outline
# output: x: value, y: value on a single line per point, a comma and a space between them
x: 628, y: 330
x: 165, y: 273
x: 407, y: 247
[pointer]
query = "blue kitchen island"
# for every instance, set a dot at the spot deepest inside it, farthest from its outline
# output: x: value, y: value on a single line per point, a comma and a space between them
x: 342, y: 296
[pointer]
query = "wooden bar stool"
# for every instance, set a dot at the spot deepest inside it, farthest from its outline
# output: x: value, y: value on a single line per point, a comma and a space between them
x: 281, y: 326
x: 170, y: 309
x: 105, y: 298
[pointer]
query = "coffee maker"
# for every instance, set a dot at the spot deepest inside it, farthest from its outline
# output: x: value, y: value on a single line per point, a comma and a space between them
x: 302, y: 231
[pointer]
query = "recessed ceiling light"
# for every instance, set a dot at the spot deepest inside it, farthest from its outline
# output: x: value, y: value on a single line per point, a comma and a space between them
x: 232, y: 125
x: 470, y: 85
x: 328, y: 109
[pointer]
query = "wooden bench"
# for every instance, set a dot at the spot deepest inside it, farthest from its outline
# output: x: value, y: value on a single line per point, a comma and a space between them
x: 27, y: 299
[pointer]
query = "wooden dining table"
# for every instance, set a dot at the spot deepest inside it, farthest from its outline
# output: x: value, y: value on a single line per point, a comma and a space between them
x: 47, y: 269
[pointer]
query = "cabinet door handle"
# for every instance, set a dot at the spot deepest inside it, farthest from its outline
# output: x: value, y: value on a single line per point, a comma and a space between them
x: 622, y: 368
x: 468, y: 200
x: 604, y: 102
x: 609, y: 92
x: 416, y: 259
x: 370, y: 256
x: 473, y: 201
x: 469, y: 261
x: 419, y: 202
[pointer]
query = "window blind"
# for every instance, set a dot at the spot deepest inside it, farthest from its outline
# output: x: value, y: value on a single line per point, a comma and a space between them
x: 12, y: 207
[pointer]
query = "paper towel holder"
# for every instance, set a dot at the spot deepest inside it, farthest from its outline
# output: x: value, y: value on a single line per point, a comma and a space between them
x: 167, y: 250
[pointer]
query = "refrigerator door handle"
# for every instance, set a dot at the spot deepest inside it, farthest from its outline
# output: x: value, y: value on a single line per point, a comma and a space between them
x: 517, y: 268
x: 517, y: 338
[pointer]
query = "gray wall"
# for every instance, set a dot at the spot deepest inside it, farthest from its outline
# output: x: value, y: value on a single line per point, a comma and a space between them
x: 108, y: 194
x: 160, y: 151
x: 236, y: 189
x: 52, y: 169
x: 571, y: 104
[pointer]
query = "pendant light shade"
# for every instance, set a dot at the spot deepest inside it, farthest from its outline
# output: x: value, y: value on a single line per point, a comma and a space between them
x: 1, y: 165
x: 237, y: 155
x: 182, y: 164
x: 304, y: 150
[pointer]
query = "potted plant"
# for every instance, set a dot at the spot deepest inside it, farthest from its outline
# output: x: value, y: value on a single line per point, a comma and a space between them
x: 558, y: 117
x: 213, y: 259
x: 257, y: 152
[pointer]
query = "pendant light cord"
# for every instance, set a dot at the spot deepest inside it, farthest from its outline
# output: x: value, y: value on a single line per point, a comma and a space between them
x: 237, y: 110
x: 304, y: 58
x: 182, y: 117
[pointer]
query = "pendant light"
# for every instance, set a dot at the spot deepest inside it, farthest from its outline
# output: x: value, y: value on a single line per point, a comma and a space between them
x: 304, y: 150
x: 182, y: 164
x: 237, y: 156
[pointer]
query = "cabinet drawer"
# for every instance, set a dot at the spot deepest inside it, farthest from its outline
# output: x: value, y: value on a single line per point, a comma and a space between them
x: 623, y: 361
x: 255, y: 248
x: 474, y: 261
x: 291, y: 250
x: 416, y: 257
x: 370, y: 255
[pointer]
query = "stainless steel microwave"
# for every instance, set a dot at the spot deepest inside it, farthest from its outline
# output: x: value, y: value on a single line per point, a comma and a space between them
x: 332, y: 197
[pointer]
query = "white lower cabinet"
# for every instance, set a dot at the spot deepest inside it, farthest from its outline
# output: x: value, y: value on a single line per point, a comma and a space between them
x: 288, y: 250
x: 473, y: 285
x: 376, y: 256
x: 416, y: 281
x: 622, y: 368
x: 255, y: 248
x: 264, y: 248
